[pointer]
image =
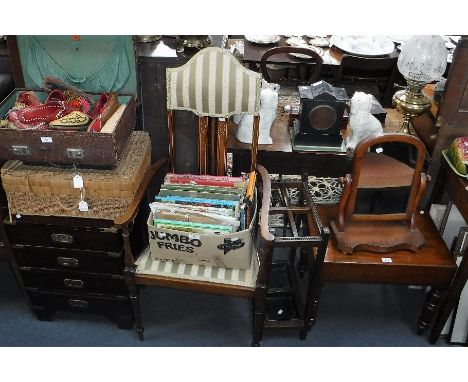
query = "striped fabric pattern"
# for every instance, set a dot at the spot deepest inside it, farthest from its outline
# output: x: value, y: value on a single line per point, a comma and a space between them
x: 145, y: 265
x: 213, y: 83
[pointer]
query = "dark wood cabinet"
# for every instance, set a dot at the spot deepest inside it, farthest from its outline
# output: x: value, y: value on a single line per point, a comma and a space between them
x: 73, y: 265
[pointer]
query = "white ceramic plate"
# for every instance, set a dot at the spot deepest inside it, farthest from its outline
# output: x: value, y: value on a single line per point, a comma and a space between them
x: 399, y: 39
x: 364, y: 45
x: 304, y: 56
x: 262, y: 39
x: 450, y: 45
x: 296, y: 41
x: 300, y: 55
x: 319, y: 41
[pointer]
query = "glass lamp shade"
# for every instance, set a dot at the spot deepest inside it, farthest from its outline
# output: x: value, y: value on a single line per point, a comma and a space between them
x: 423, y: 58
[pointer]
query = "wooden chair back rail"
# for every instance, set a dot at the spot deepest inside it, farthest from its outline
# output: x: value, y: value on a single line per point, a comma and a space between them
x: 254, y: 145
x: 265, y: 233
x: 366, y: 66
x: 214, y: 148
x: 315, y: 58
x: 222, y: 148
x: 171, y: 139
x: 203, y: 145
x: 348, y: 200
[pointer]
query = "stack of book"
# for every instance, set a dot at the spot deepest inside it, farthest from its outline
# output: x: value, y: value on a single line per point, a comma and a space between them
x: 203, y: 203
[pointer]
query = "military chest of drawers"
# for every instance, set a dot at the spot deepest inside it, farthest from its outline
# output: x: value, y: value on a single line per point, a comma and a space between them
x: 74, y: 265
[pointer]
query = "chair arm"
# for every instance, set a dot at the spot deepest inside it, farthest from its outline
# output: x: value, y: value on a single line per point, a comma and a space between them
x: 132, y: 210
x: 265, y: 209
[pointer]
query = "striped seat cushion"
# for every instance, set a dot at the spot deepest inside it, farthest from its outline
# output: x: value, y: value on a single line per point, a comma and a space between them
x: 242, y: 277
x: 213, y: 83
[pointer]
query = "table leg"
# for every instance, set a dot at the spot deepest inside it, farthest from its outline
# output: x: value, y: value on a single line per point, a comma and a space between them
x: 135, y: 300
x: 451, y: 299
x: 311, y: 309
x: 430, y: 307
x: 259, y: 314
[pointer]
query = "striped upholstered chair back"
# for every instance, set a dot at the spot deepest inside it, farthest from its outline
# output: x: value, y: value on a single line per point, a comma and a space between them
x: 213, y: 84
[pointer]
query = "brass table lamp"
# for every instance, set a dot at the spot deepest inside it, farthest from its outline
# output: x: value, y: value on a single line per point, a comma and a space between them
x: 423, y: 59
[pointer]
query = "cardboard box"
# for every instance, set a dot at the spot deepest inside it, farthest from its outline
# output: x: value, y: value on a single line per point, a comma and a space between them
x: 232, y: 250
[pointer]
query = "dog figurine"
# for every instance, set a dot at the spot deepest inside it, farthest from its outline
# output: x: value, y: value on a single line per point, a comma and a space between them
x: 268, y: 107
x: 361, y: 122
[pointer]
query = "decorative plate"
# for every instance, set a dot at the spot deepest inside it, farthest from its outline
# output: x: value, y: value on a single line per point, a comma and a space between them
x: 296, y: 41
x: 318, y: 50
x: 262, y: 39
x: 399, y: 38
x: 300, y: 55
x: 364, y: 45
x: 444, y: 154
x: 319, y: 41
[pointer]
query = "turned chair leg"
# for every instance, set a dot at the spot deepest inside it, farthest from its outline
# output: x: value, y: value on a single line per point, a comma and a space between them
x: 311, y: 310
x: 135, y: 299
x: 431, y: 304
x: 259, y: 315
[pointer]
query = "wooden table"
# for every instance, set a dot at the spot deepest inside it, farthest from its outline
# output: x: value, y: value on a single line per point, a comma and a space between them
x: 331, y: 55
x: 457, y: 189
x: 279, y: 157
x: 433, y: 265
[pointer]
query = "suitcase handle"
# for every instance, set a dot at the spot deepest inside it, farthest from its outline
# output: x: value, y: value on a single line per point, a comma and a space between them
x: 61, y: 238
x: 21, y: 150
x: 68, y: 261
x: 77, y: 303
x: 76, y: 284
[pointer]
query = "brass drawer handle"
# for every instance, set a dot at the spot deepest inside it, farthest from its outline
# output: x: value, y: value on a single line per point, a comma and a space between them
x: 61, y: 238
x: 76, y: 284
x: 77, y: 303
x: 68, y: 261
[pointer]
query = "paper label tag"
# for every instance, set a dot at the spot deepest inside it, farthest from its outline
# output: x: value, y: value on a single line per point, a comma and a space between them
x: 77, y: 181
x: 386, y: 260
x: 46, y: 139
x: 83, y: 206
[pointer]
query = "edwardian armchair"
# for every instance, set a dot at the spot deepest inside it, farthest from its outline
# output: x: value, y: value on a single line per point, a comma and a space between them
x: 213, y: 84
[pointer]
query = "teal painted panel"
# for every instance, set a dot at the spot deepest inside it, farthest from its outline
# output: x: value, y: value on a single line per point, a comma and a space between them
x: 91, y: 63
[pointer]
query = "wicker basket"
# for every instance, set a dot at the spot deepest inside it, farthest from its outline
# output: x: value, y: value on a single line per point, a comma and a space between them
x: 49, y: 191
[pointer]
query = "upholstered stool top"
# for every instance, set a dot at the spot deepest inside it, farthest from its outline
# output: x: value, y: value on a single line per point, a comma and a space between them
x: 146, y: 266
x: 382, y: 171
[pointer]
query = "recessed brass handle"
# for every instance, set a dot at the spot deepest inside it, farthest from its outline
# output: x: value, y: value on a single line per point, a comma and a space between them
x: 61, y: 238
x: 68, y: 261
x: 77, y: 303
x: 76, y: 284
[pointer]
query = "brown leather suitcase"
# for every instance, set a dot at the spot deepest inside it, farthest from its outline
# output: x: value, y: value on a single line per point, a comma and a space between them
x: 94, y: 64
x: 50, y: 191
